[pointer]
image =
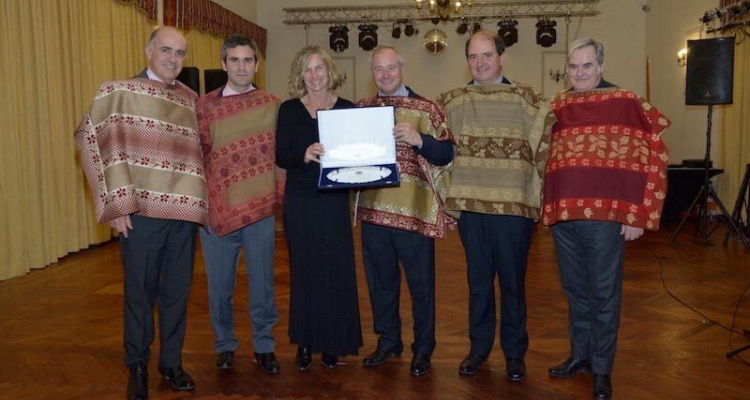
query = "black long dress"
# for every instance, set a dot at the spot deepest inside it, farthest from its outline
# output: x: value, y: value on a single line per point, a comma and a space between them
x: 323, y: 306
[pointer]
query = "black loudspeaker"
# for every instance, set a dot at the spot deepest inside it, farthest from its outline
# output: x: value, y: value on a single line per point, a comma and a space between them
x: 214, y: 79
x: 190, y: 77
x: 710, y: 71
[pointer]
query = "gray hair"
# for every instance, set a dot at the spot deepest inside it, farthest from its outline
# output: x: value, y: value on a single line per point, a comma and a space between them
x: 585, y: 42
x: 382, y: 47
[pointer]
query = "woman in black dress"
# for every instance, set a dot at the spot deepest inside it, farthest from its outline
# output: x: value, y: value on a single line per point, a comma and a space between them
x: 323, y: 306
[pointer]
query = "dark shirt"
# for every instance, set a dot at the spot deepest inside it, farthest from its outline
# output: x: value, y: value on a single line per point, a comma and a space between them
x: 296, y: 130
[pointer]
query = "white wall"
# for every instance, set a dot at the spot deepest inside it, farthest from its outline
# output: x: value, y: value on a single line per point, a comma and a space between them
x: 244, y: 8
x: 669, y: 25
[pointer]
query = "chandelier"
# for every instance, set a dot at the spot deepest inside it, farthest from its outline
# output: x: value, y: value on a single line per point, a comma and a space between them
x: 444, y: 9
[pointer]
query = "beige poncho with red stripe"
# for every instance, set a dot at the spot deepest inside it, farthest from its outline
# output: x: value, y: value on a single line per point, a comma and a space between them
x: 140, y: 150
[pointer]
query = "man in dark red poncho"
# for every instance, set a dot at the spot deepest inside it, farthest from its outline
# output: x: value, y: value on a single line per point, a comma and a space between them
x: 605, y: 182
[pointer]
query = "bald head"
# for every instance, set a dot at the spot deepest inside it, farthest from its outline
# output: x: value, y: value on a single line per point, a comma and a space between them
x: 166, y: 51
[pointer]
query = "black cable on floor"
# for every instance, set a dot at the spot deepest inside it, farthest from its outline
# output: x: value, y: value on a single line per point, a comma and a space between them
x: 732, y: 330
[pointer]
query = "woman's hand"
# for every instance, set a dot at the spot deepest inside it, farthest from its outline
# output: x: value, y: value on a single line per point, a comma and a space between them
x: 313, y: 152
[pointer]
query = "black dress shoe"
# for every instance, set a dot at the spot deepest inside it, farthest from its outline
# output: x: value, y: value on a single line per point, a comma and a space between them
x: 470, y: 365
x: 420, y: 364
x: 304, y: 358
x: 329, y: 361
x: 602, y: 387
x: 268, y: 363
x: 380, y: 356
x: 515, y: 369
x: 138, y: 383
x: 570, y: 367
x: 178, y: 378
x: 225, y: 360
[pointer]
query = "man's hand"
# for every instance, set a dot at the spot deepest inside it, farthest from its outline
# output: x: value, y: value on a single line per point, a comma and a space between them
x: 404, y: 132
x: 631, y: 232
x: 121, y: 225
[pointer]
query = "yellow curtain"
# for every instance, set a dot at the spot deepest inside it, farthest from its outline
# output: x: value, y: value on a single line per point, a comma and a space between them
x: 54, y: 55
x: 735, y: 136
x: 204, y: 52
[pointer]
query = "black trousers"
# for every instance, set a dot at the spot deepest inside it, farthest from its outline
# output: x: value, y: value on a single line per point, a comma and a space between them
x: 590, y: 257
x: 157, y: 259
x: 382, y: 249
x: 496, y: 245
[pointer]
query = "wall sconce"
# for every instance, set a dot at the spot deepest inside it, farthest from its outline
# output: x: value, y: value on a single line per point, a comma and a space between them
x: 682, y: 57
x: 557, y: 76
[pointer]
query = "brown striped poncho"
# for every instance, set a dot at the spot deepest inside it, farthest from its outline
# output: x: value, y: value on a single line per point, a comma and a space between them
x: 502, y: 138
x: 140, y: 151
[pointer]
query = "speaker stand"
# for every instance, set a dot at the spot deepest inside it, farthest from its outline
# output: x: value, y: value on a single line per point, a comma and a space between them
x: 742, y: 203
x: 734, y: 352
x: 706, y: 191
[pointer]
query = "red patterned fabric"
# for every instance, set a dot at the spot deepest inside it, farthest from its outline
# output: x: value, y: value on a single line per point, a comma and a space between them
x: 149, y: 7
x: 238, y: 135
x: 140, y: 151
x: 607, y: 160
x: 211, y: 17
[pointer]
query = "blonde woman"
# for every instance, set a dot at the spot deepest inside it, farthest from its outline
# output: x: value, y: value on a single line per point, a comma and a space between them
x: 323, y: 309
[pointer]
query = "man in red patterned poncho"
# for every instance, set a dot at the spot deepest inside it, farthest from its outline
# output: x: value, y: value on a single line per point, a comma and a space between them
x: 605, y: 183
x: 237, y: 124
x: 400, y: 224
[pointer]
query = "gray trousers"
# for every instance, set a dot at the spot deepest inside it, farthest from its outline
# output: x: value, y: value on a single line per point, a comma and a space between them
x: 590, y: 257
x: 221, y: 255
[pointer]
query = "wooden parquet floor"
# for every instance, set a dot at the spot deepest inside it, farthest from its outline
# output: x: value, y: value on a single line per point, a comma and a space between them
x: 61, y: 333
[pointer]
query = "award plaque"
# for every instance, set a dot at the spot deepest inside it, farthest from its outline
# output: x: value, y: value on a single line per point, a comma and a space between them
x: 360, y: 150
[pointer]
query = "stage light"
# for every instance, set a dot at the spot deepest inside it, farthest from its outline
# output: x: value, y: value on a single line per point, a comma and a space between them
x: 546, y: 35
x: 734, y: 10
x: 463, y: 27
x: 368, y: 37
x: 476, y: 27
x: 339, y: 40
x: 396, y: 33
x: 410, y: 30
x: 508, y: 31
